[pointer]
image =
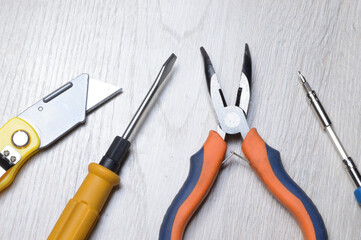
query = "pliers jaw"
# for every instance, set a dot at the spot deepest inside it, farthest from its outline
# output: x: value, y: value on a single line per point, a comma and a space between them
x: 244, y: 89
x: 231, y: 119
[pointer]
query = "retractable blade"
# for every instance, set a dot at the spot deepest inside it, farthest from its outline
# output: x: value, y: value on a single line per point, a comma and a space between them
x: 47, y: 120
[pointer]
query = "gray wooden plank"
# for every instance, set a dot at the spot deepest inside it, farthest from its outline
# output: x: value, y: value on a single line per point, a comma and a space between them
x: 46, y: 43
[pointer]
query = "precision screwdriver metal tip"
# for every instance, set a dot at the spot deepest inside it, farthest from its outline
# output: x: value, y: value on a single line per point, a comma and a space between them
x: 315, y: 102
x: 162, y: 75
x: 301, y: 77
x: 305, y: 84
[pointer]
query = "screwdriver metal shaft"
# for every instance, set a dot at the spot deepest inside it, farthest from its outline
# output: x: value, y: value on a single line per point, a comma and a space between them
x: 83, y: 210
x: 327, y: 125
x: 166, y: 68
x: 118, y: 150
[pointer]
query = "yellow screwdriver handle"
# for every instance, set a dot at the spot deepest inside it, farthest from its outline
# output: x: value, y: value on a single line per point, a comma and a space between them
x: 21, y: 153
x: 82, y: 212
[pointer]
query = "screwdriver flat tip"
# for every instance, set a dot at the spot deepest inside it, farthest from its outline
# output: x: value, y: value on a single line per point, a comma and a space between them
x: 171, y: 60
x: 167, y: 68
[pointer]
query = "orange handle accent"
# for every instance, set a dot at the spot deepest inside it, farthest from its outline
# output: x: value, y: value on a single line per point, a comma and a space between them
x: 266, y: 162
x: 204, y: 169
x: 82, y: 212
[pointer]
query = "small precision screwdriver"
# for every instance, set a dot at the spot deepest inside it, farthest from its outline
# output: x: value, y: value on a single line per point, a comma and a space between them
x: 82, y: 212
x: 327, y: 125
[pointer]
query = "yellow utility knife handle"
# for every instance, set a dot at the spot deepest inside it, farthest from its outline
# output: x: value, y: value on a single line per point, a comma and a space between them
x: 82, y: 212
x: 7, y: 132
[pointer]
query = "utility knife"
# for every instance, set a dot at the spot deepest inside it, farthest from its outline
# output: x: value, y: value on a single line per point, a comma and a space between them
x: 47, y: 120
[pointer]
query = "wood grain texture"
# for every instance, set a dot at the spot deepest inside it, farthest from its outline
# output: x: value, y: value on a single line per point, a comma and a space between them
x: 44, y: 44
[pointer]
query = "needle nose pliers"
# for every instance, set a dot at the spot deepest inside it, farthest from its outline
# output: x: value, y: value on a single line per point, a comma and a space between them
x: 264, y: 160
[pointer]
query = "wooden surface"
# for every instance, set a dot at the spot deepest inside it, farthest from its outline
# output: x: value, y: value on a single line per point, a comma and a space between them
x: 44, y: 44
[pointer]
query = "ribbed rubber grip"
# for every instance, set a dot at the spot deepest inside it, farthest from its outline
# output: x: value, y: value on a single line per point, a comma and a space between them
x: 82, y: 212
x: 266, y: 162
x: 204, y: 168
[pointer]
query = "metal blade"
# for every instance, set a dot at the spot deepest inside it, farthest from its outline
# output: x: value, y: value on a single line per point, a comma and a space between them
x: 99, y: 93
x: 62, y: 110
x: 244, y: 89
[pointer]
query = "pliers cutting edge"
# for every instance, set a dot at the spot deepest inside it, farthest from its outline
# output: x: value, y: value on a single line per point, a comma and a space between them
x: 263, y: 159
